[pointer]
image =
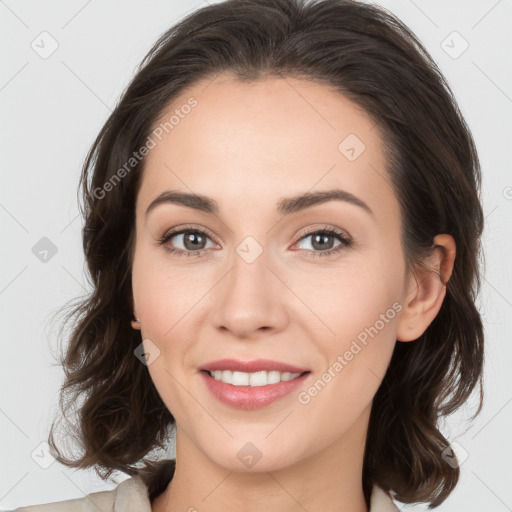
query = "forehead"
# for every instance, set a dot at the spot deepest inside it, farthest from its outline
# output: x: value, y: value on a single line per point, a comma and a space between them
x: 255, y: 142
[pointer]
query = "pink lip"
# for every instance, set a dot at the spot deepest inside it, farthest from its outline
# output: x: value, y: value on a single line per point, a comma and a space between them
x: 250, y: 397
x: 252, y: 366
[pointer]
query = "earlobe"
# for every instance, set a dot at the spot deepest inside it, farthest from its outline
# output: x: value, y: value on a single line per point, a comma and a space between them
x: 135, y: 323
x: 425, y: 297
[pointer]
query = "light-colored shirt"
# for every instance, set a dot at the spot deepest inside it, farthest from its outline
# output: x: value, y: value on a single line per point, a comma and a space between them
x: 131, y: 495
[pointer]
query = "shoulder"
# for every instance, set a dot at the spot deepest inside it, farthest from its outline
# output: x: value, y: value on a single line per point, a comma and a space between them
x: 130, y: 495
x: 381, y: 501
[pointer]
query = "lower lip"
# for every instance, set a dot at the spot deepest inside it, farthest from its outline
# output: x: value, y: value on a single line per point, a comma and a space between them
x: 250, y: 397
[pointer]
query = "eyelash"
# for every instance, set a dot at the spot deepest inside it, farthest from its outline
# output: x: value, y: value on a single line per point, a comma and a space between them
x: 345, y: 242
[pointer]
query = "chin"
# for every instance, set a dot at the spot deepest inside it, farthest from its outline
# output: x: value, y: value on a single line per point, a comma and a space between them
x: 244, y: 456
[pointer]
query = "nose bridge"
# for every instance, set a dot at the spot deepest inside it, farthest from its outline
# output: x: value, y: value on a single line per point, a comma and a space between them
x: 250, y: 296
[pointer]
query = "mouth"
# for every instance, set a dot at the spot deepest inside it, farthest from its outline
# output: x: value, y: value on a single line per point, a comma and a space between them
x: 252, y: 390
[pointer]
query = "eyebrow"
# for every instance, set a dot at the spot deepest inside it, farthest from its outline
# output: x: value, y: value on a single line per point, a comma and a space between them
x: 285, y: 206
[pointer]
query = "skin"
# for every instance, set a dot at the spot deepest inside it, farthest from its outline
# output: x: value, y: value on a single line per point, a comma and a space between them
x: 247, y: 146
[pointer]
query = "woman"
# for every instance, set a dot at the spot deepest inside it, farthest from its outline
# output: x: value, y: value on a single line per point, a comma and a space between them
x: 257, y: 136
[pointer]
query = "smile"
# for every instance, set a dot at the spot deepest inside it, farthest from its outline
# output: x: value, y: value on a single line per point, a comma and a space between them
x: 265, y: 389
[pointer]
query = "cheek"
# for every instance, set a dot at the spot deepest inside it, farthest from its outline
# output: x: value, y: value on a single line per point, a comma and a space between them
x: 165, y: 295
x: 361, y: 308
x: 356, y: 360
x: 356, y: 297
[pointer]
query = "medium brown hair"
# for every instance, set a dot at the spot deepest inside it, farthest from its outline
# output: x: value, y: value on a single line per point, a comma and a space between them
x: 373, y: 59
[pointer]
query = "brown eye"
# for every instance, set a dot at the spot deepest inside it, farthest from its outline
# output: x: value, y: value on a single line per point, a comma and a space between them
x: 190, y: 242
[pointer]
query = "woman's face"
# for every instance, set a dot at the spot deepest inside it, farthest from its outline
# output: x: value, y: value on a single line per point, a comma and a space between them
x: 260, y: 282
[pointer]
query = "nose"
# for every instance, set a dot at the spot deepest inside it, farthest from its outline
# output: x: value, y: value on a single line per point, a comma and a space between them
x: 250, y: 300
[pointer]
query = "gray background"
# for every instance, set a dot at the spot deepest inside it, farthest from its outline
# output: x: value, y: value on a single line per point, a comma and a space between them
x: 52, y: 106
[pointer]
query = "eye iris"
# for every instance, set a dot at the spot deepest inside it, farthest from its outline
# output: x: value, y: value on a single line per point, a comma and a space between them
x: 320, y: 239
x: 195, y: 239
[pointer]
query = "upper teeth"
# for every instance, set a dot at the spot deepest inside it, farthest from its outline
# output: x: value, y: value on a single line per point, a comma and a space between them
x: 252, y: 379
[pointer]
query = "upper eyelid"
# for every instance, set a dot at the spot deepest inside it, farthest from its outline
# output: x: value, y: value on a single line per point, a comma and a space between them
x: 179, y: 231
x: 330, y: 229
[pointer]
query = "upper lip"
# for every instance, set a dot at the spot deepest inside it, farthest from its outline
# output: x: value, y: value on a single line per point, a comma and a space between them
x: 255, y: 365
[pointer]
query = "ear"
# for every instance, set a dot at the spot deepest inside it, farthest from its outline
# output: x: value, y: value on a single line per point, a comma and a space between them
x: 426, y: 293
